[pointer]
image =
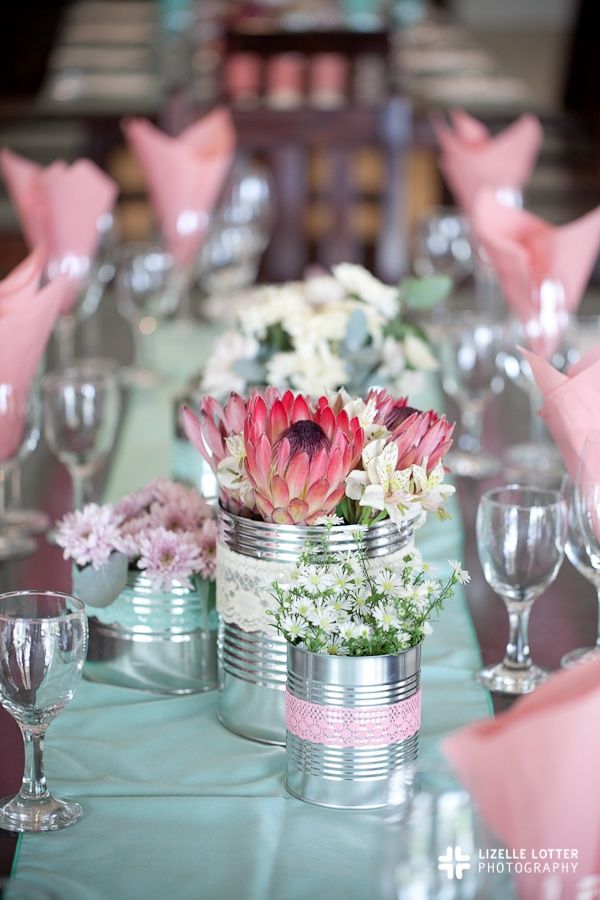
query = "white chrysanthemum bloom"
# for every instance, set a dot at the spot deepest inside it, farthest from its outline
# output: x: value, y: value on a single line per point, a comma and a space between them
x: 349, y: 630
x: 331, y: 519
x: 313, y: 579
x: 311, y: 369
x: 393, y: 362
x: 361, y: 283
x: 461, y: 574
x: 322, y: 289
x: 341, y: 580
x: 340, y: 605
x: 300, y: 606
x: 418, y: 354
x: 270, y: 307
x: 386, y: 617
x: 294, y: 626
x: 323, y: 617
x: 427, y: 628
x: 219, y: 376
x: 385, y: 582
x: 335, y: 646
x: 409, y: 382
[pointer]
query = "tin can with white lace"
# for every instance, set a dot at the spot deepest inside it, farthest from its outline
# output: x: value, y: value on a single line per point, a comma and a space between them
x: 252, y: 657
x: 351, y: 722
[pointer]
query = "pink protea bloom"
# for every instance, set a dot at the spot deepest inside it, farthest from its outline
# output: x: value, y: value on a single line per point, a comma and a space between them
x: 418, y: 435
x: 209, y: 431
x: 297, y: 460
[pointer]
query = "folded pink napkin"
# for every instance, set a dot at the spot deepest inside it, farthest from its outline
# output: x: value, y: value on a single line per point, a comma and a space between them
x: 22, y: 281
x: 525, y: 249
x: 25, y: 326
x: 533, y: 773
x: 60, y: 207
x: 571, y: 407
x: 472, y: 159
x: 184, y: 176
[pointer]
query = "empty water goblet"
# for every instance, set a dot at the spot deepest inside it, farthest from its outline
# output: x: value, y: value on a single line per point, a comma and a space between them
x: 33, y: 521
x: 443, y: 245
x: 81, y: 407
x: 576, y: 551
x: 469, y: 344
x: 521, y: 532
x: 43, y: 645
x: 19, y: 431
x: 148, y: 289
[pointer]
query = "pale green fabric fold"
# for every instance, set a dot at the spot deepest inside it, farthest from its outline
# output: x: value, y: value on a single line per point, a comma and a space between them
x: 177, y: 806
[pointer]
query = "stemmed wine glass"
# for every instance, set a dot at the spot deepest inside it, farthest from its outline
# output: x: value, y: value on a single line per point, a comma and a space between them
x: 81, y: 407
x: 469, y: 344
x: 443, y: 245
x: 587, y: 505
x: 43, y: 645
x: 521, y: 532
x: 148, y: 290
x: 19, y: 427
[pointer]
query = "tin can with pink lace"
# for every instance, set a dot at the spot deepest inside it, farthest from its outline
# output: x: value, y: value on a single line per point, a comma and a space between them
x: 351, y: 722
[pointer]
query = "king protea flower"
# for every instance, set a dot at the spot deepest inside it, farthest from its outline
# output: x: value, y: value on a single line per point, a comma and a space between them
x: 297, y: 460
x: 422, y: 438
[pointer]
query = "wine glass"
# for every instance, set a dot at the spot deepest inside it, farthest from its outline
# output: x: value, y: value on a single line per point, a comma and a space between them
x: 545, y: 330
x: 81, y: 407
x: 468, y: 346
x: 577, y: 554
x: 521, y: 532
x: 148, y: 290
x: 43, y: 644
x: 443, y: 245
x: 19, y: 425
x: 32, y: 521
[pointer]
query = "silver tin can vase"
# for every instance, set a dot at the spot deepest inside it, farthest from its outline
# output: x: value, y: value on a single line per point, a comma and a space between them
x: 352, y: 722
x: 252, y: 656
x: 153, y: 640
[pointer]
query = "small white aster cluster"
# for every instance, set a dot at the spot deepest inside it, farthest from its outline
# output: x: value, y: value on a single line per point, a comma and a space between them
x: 166, y: 529
x: 305, y: 336
x: 339, y: 606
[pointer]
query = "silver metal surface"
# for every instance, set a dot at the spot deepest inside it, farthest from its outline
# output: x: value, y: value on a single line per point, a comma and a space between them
x: 252, y: 665
x: 348, y: 777
x: 252, y: 675
x: 160, y: 641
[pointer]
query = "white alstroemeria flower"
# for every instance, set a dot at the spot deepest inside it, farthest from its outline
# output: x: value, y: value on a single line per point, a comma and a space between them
x: 231, y: 475
x: 418, y: 354
x: 361, y: 283
x: 219, y: 376
x: 381, y: 486
x: 462, y: 575
x: 236, y: 447
x: 429, y: 490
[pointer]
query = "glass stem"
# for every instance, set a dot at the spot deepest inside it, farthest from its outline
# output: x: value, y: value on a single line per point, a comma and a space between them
x: 2, y: 498
x: 536, y: 425
x: 34, y: 780
x: 471, y: 420
x: 65, y: 340
x: 143, y: 357
x: 16, y: 493
x: 80, y: 488
x: 517, y: 650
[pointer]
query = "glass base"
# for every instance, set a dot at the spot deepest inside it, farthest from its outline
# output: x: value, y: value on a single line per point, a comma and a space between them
x: 579, y: 657
x: 539, y: 464
x: 33, y: 521
x: 46, y: 814
x: 15, y: 544
x: 472, y: 465
x: 141, y: 379
x: 502, y: 679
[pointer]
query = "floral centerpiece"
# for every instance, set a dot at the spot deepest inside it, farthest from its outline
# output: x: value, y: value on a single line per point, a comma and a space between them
x: 289, y: 468
x: 145, y: 567
x: 330, y: 330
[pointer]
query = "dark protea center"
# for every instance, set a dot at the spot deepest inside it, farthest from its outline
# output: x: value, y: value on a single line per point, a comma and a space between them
x: 397, y: 416
x: 305, y: 436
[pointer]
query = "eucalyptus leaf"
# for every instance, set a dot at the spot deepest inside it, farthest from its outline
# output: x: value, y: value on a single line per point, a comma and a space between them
x: 250, y: 370
x: 357, y: 331
x: 100, y: 587
x: 425, y: 293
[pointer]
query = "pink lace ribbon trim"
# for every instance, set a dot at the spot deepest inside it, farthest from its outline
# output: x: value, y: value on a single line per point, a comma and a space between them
x: 339, y: 726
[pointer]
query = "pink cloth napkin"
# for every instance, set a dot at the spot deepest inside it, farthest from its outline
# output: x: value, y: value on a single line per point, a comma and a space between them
x: 27, y: 317
x: 22, y: 281
x: 60, y: 206
x: 533, y: 773
x: 184, y: 176
x: 472, y: 159
x: 525, y: 249
x: 571, y: 407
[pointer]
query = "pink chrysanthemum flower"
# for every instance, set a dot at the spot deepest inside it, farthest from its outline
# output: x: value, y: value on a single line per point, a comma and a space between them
x: 90, y: 535
x: 169, y: 557
x: 207, y: 541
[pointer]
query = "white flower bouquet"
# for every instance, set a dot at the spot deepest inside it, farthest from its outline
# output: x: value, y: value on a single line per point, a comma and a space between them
x: 341, y: 608
x: 328, y: 331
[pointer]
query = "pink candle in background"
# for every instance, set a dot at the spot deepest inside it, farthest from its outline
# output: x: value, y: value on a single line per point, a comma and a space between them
x: 328, y: 79
x: 285, y: 80
x: 242, y: 77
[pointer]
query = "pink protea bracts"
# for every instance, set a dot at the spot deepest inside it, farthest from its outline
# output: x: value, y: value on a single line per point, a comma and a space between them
x: 297, y: 460
x: 209, y: 432
x: 419, y: 436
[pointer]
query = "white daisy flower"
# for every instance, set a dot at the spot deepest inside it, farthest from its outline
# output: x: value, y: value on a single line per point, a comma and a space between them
x: 462, y: 576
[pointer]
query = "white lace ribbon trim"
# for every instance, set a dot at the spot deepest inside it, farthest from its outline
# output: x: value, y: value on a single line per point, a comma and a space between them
x: 244, y: 586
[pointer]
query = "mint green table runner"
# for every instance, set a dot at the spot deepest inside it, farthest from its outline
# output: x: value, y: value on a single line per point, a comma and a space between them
x: 177, y: 806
